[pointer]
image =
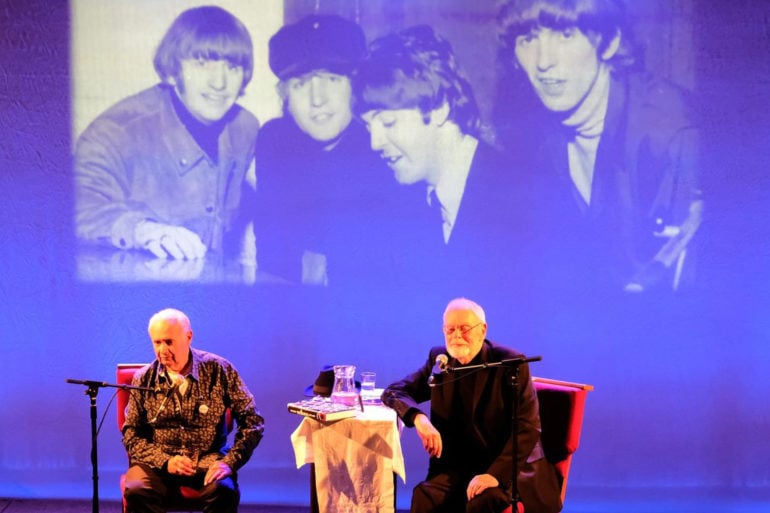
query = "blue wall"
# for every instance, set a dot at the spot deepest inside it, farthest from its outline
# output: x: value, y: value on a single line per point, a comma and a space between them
x: 681, y: 382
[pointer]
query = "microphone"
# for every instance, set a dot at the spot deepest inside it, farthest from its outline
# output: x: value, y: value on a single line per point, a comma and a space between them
x: 88, y: 382
x: 439, y: 368
x: 162, y: 381
x: 174, y: 385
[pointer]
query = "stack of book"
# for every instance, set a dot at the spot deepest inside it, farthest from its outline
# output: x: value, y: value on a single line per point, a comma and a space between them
x: 323, y: 409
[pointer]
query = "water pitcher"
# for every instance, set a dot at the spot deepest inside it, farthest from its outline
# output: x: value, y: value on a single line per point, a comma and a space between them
x: 344, y: 390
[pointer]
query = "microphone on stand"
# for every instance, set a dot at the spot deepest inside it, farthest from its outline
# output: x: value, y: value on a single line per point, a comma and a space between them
x: 439, y: 368
x: 174, y: 386
x: 159, y: 385
x: 88, y: 382
x: 103, y: 384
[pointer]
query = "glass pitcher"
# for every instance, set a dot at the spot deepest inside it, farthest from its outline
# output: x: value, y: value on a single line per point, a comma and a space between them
x: 344, y: 390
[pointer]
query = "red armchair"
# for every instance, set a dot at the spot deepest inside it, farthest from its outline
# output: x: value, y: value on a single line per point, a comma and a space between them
x: 562, y: 404
x: 184, y: 498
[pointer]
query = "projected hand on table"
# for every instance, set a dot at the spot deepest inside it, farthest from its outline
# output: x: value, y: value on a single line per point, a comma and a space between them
x: 167, y: 241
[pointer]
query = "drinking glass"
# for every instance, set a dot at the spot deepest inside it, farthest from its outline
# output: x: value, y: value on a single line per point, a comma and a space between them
x: 368, y: 392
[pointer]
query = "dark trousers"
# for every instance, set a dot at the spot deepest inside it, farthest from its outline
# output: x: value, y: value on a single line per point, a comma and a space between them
x: 446, y: 493
x: 151, y: 491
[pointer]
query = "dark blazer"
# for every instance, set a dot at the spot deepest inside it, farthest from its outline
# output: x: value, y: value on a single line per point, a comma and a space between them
x: 485, y: 255
x: 334, y: 202
x: 645, y: 177
x: 492, y: 211
x: 491, y: 423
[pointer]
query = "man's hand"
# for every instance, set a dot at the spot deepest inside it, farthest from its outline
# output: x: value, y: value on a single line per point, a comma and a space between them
x: 431, y: 438
x: 219, y: 470
x: 167, y: 241
x: 480, y: 483
x: 181, y: 465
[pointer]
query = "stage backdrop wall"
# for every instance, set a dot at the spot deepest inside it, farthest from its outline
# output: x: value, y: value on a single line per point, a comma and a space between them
x: 680, y: 379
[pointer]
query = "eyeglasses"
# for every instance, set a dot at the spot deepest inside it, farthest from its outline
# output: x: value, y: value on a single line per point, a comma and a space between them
x: 463, y: 330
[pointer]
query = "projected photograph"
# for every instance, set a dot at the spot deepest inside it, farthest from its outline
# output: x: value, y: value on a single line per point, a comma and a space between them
x: 165, y: 105
x: 360, y: 144
x: 380, y: 186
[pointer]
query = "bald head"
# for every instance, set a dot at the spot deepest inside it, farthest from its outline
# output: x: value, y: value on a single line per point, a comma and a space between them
x: 171, y: 336
x: 170, y: 316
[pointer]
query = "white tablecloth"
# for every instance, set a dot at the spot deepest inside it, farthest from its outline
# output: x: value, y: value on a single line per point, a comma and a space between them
x: 355, y: 459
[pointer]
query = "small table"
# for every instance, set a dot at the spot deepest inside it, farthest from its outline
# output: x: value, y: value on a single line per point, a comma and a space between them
x: 355, y: 460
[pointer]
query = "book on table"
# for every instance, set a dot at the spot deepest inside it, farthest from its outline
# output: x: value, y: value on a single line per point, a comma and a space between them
x: 323, y: 409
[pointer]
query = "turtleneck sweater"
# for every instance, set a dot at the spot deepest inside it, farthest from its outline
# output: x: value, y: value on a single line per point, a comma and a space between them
x: 205, y: 134
x: 587, y: 124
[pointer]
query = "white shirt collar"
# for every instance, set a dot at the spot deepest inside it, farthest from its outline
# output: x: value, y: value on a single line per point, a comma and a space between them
x: 451, y: 186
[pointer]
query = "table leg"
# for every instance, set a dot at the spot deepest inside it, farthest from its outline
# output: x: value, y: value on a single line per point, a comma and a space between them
x: 313, y: 492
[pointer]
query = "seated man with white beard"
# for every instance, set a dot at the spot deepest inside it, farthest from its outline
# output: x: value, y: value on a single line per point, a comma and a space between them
x: 468, y: 433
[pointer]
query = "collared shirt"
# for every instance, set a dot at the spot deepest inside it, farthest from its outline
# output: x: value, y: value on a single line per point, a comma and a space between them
x: 137, y: 161
x: 450, y: 188
x: 165, y: 422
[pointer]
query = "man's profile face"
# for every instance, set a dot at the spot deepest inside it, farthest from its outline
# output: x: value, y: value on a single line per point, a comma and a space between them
x: 405, y: 142
x: 208, y: 87
x: 464, y: 334
x: 319, y: 102
x: 561, y: 65
x: 171, y: 343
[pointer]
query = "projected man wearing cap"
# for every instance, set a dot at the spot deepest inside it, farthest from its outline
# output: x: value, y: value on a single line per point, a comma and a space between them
x: 161, y: 171
x: 317, y: 180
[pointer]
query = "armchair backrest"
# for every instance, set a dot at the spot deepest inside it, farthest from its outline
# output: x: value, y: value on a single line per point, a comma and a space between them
x: 125, y: 374
x: 562, y: 404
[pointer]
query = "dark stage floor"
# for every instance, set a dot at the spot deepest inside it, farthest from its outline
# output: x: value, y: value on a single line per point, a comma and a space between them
x: 79, y: 506
x: 597, y: 501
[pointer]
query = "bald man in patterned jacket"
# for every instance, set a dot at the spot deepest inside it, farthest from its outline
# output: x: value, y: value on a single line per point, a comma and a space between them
x: 177, y: 436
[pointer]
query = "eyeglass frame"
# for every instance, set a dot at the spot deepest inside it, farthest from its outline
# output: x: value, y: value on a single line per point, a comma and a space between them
x: 463, y: 332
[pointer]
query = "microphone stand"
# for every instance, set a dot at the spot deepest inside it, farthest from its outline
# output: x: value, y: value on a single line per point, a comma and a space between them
x: 92, y: 391
x: 514, y: 363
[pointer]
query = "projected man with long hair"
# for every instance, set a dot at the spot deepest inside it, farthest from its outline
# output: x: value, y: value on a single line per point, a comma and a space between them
x: 160, y: 172
x: 615, y: 147
x: 424, y: 123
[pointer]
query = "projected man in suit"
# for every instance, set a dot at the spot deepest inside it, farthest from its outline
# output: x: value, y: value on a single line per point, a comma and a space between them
x: 161, y: 171
x: 320, y: 190
x: 616, y: 148
x: 463, y: 203
x: 468, y: 432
